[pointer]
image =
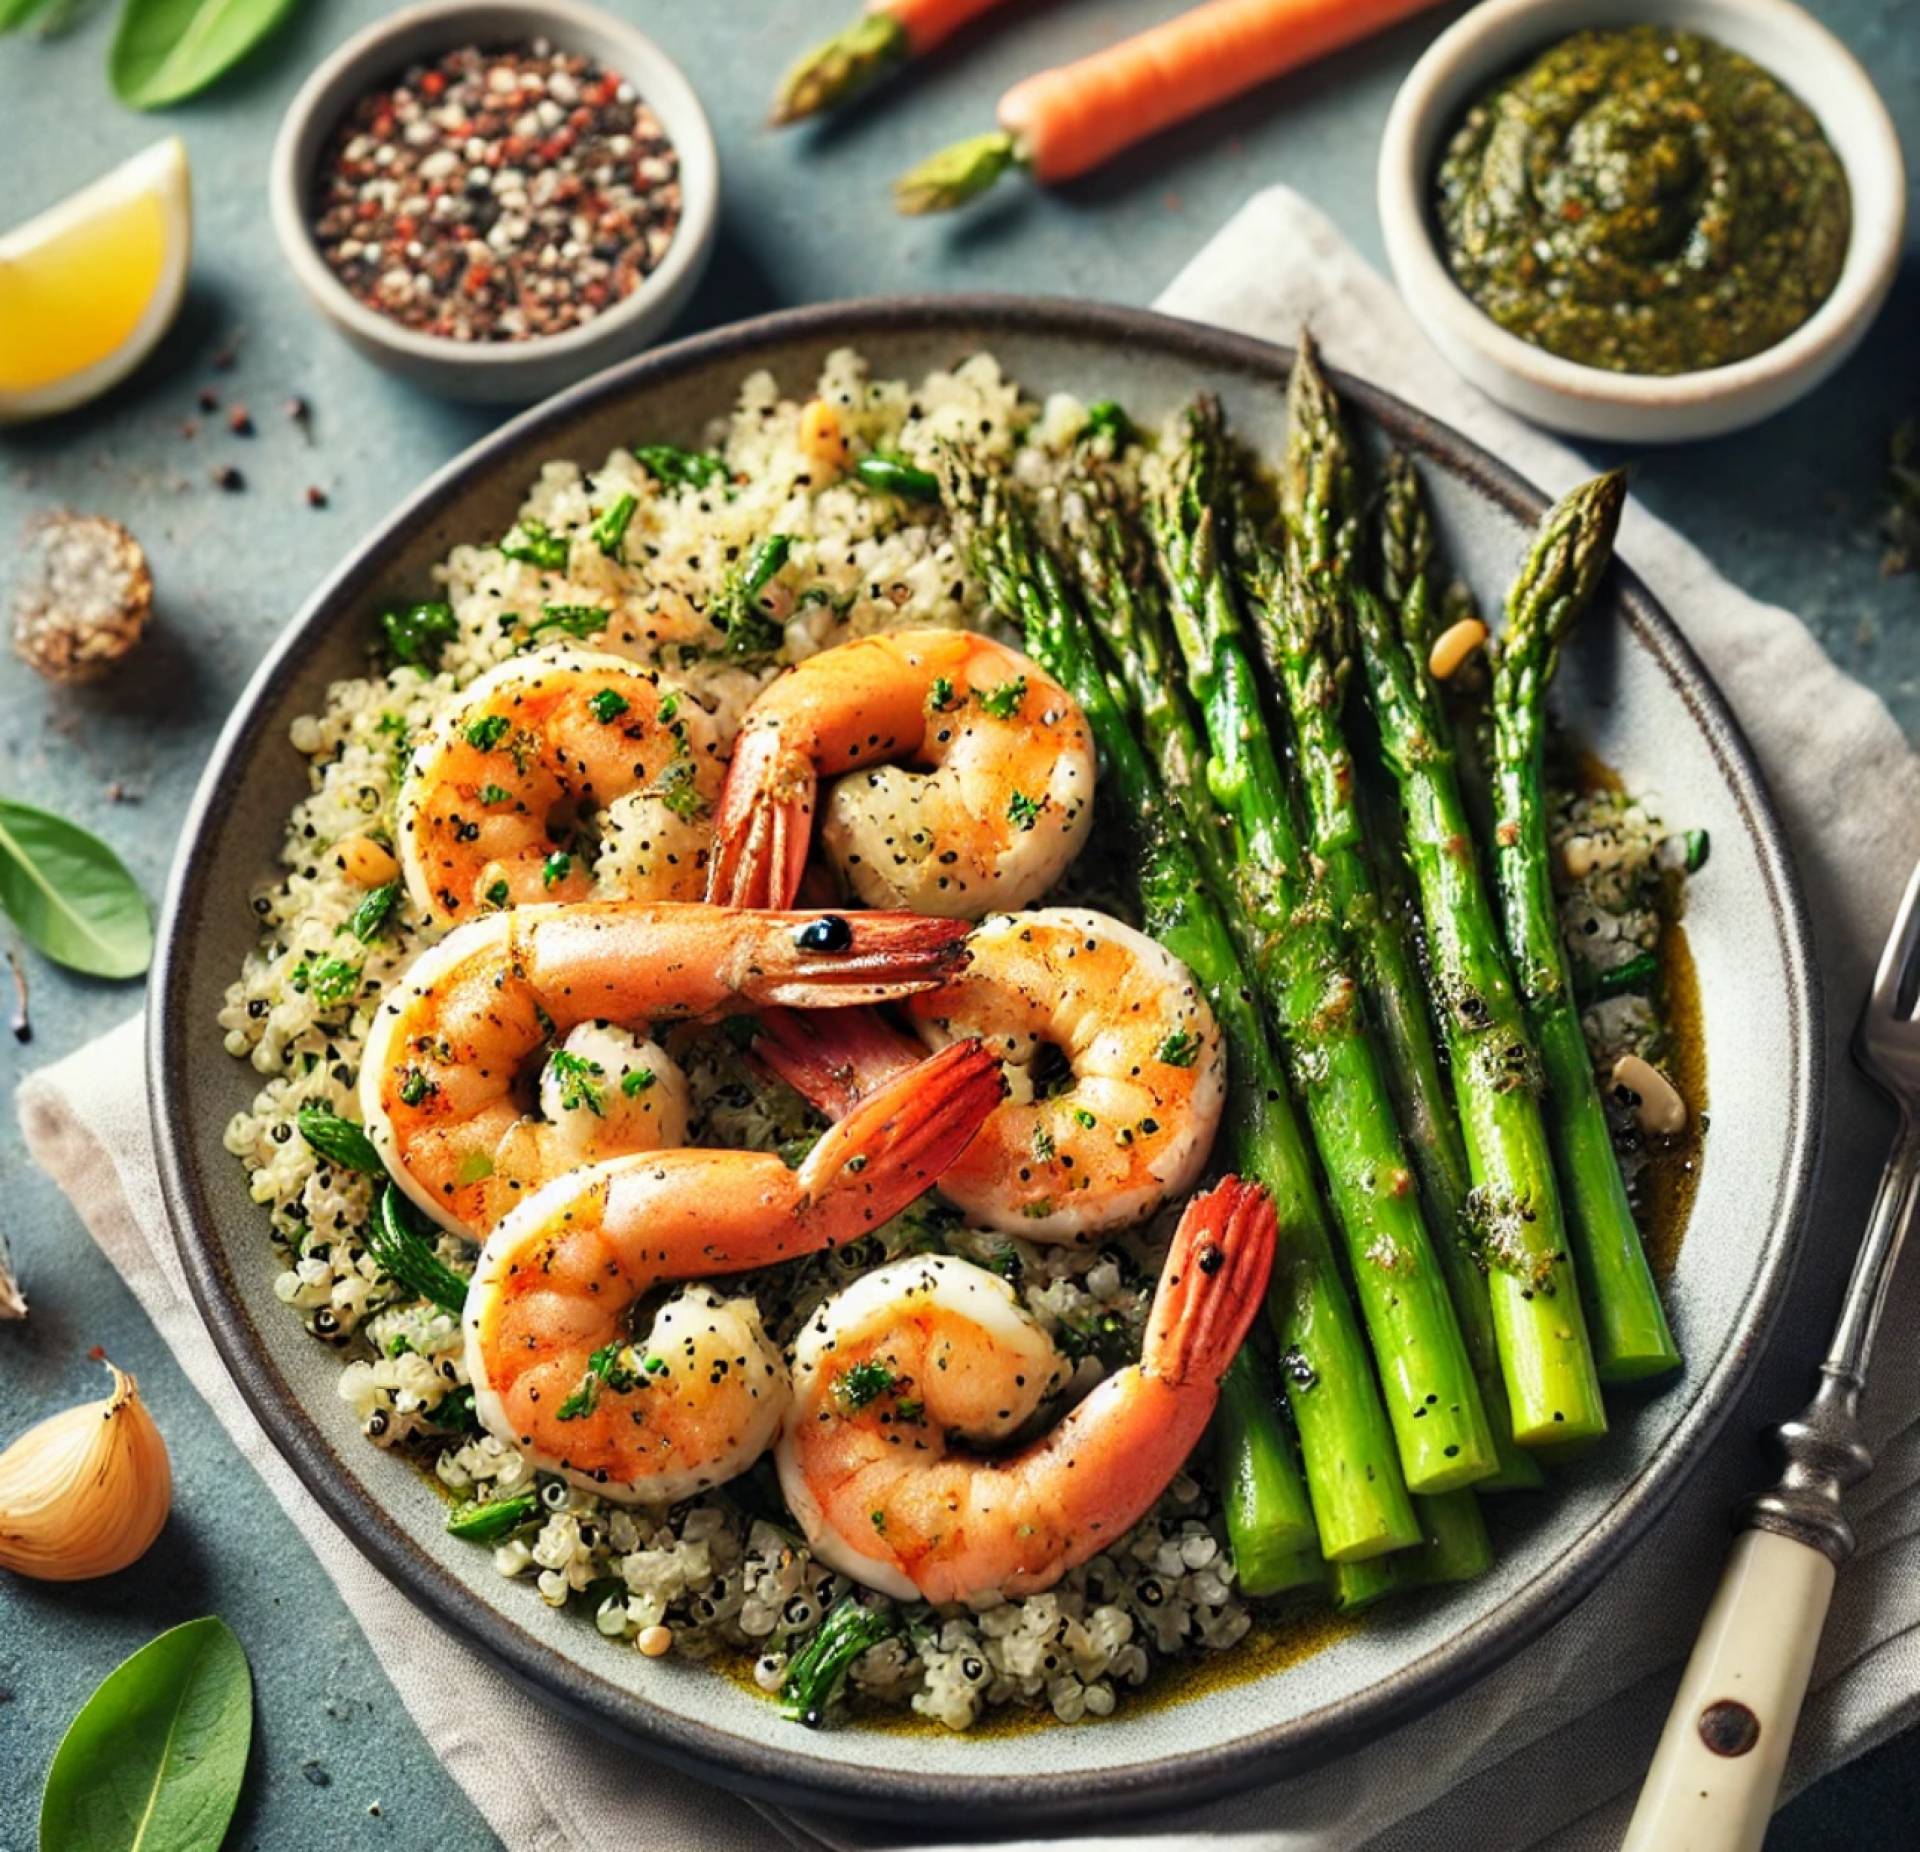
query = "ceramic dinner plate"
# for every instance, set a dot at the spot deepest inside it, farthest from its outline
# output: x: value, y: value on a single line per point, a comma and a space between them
x: 1632, y: 690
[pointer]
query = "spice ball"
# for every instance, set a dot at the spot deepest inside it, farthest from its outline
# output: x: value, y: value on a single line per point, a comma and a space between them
x: 83, y: 596
x: 497, y: 195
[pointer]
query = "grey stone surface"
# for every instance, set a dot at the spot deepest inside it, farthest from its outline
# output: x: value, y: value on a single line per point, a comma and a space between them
x: 1788, y: 511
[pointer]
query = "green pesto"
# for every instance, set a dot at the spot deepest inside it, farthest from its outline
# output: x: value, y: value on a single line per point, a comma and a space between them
x: 1644, y: 200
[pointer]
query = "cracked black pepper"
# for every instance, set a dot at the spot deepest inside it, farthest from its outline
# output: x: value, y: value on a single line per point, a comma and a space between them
x: 498, y: 195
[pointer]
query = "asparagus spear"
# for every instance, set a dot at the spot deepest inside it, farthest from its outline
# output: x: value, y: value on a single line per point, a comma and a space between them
x: 1359, y: 1502
x: 1309, y: 642
x: 1290, y: 928
x: 1552, y: 1388
x: 1575, y: 542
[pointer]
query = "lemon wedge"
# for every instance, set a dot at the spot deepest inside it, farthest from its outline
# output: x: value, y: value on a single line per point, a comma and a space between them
x: 90, y: 286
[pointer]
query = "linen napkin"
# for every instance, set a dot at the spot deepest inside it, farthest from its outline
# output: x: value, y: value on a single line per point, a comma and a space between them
x: 1548, y: 1751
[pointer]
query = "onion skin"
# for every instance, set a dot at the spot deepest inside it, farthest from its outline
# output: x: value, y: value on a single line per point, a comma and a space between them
x: 85, y: 1492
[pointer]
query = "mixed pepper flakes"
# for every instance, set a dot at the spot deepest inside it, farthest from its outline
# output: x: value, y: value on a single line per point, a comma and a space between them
x: 497, y: 195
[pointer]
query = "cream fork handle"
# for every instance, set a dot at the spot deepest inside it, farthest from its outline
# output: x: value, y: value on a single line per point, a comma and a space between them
x: 1717, y: 1771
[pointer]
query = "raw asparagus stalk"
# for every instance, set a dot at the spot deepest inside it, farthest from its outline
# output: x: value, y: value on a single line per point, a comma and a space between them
x: 1630, y: 1335
x: 1314, y: 995
x: 1308, y: 639
x: 1359, y: 1501
x: 1553, y: 1390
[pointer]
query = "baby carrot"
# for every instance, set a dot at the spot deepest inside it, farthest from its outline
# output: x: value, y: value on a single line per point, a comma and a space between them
x: 887, y: 34
x: 1065, y: 122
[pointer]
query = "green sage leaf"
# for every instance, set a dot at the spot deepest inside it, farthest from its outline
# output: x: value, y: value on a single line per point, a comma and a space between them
x: 154, y: 1760
x: 70, y: 895
x: 166, y: 50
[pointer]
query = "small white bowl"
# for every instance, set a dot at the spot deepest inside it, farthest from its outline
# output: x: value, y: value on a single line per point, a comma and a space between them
x: 498, y: 371
x: 1501, y: 35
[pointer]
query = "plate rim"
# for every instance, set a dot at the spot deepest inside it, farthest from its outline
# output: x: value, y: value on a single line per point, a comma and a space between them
x: 754, y: 1765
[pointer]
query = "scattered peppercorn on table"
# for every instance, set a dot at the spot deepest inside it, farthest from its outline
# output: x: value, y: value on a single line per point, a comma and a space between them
x: 1788, y: 511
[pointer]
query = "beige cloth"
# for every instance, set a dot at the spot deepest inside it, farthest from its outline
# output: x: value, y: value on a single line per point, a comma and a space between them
x: 1545, y: 1752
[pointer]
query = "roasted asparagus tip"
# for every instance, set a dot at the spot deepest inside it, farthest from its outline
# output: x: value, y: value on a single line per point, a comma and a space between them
x: 957, y: 174
x: 836, y: 72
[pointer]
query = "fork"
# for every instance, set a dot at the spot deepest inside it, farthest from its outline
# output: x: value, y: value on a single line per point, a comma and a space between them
x: 1715, y: 1775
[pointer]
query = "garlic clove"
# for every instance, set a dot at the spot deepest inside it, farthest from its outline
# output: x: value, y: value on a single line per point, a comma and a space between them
x: 86, y: 1491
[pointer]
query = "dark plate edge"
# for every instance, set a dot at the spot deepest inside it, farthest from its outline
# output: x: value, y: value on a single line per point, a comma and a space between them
x: 752, y: 1765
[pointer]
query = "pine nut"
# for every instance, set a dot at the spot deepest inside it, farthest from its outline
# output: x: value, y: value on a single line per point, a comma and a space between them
x: 1579, y: 857
x: 1657, y: 1102
x: 1454, y: 645
x: 364, y: 861
x: 822, y: 440
x: 655, y: 1642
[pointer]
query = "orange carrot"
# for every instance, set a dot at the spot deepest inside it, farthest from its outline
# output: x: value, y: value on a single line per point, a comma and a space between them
x: 927, y: 22
x: 1070, y: 120
x: 884, y: 37
x: 1065, y: 122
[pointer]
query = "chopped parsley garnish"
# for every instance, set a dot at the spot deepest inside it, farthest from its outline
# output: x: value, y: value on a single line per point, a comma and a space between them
x: 910, y: 1409
x: 1106, y: 419
x: 668, y: 710
x: 1180, y: 1049
x: 636, y: 1081
x: 608, y: 705
x: 495, y: 794
x: 497, y: 893
x: 604, y: 1369
x: 555, y: 868
x: 330, y: 981
x: 577, y: 620
x: 737, y: 614
x: 610, y: 524
x: 535, y: 544
x: 418, y: 633
x: 488, y: 731
x: 369, y: 919
x: 675, y: 468
x: 1042, y: 1145
x: 940, y: 697
x: 862, y: 1383
x: 678, y: 789
x: 1003, y: 702
x: 1084, y: 1119
x: 577, y: 1077
x: 1023, y: 812
x: 415, y: 1087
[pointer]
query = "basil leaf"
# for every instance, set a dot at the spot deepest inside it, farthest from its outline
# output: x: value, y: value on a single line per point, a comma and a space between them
x: 165, y: 50
x: 154, y: 1761
x: 70, y: 895
x: 18, y: 12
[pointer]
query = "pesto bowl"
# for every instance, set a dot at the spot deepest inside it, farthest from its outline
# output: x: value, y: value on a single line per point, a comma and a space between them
x: 1630, y: 688
x: 1496, y: 38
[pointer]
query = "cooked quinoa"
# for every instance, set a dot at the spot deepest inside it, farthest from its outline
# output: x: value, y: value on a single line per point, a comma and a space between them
x: 724, y: 1573
x: 721, y: 1572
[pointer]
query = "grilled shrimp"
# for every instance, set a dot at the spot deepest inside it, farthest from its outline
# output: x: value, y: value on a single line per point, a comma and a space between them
x: 558, y: 1368
x: 445, y: 1086
x: 491, y: 804
x: 964, y: 777
x: 898, y: 1378
x: 1116, y: 1070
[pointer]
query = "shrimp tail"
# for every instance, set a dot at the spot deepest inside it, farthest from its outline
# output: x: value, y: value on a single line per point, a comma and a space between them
x: 815, y: 961
x: 764, y: 824
x: 1212, y: 1284
x: 893, y: 1146
x: 832, y: 1058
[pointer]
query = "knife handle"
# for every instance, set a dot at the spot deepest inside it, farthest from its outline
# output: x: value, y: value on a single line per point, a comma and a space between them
x: 1717, y: 1771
